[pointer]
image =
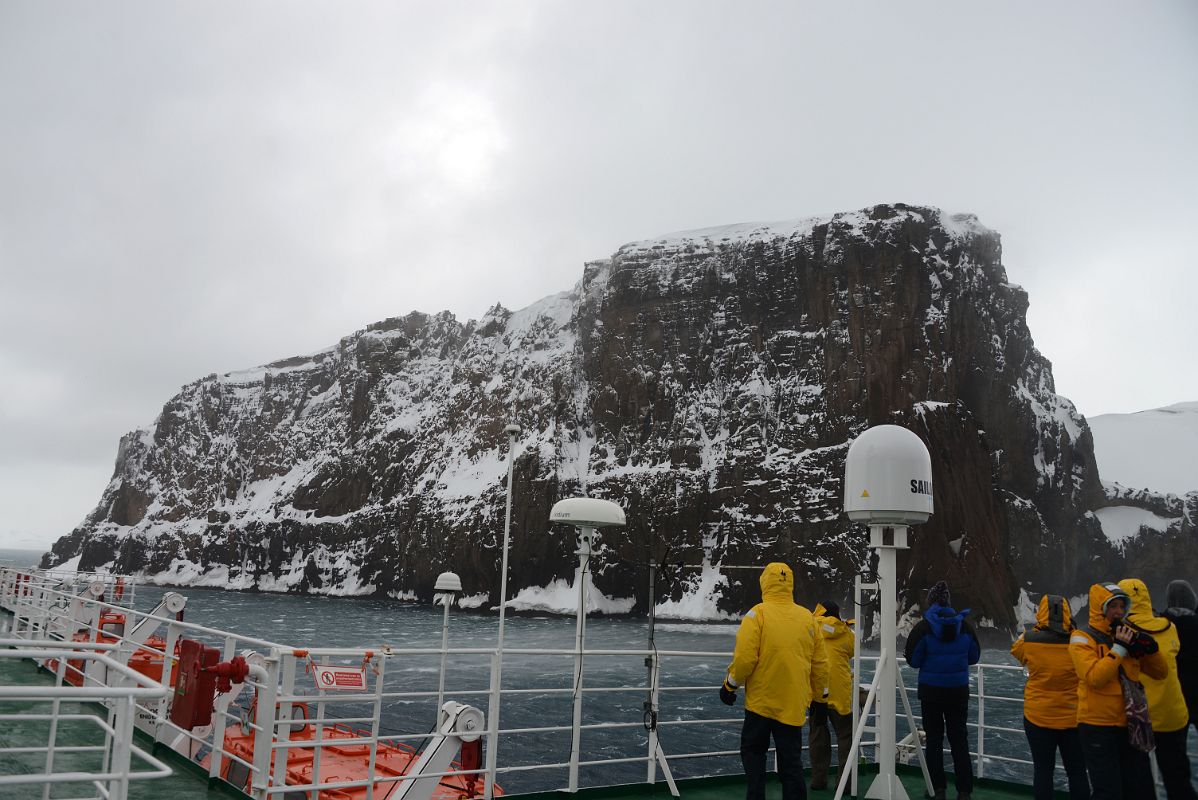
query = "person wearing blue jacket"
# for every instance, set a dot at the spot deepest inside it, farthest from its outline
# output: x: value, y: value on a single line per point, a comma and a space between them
x: 942, y: 646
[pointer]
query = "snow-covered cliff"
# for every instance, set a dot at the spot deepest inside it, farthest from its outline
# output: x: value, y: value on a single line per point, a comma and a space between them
x: 709, y: 381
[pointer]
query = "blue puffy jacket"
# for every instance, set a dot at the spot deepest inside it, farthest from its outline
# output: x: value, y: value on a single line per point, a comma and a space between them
x: 942, y: 646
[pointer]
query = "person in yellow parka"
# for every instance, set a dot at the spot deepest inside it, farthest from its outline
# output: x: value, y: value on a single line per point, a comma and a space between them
x: 780, y: 660
x: 835, y: 707
x: 1102, y: 651
x: 1050, y: 699
x: 1166, y: 703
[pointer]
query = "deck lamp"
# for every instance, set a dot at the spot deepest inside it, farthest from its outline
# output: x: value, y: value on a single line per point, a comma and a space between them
x: 448, y: 585
x: 587, y: 514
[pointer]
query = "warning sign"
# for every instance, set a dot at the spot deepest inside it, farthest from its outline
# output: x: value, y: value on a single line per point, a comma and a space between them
x: 865, y: 493
x: 340, y: 679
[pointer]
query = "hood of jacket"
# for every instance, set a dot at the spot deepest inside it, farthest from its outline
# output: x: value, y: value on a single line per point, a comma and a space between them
x: 1054, y: 614
x: 1139, y: 612
x: 946, y: 622
x: 1099, y: 594
x: 1180, y: 598
x: 777, y: 583
x: 838, y: 626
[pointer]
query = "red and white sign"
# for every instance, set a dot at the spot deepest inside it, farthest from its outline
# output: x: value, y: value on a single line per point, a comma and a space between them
x: 340, y: 679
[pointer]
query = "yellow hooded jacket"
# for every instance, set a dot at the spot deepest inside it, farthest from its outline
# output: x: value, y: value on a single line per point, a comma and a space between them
x: 1050, y: 696
x: 779, y: 656
x: 1099, y: 693
x: 838, y: 646
x: 1166, y: 703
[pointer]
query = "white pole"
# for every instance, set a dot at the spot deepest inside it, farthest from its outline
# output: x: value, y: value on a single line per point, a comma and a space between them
x: 886, y: 785
x: 584, y: 559
x: 497, y: 673
x: 447, y: 601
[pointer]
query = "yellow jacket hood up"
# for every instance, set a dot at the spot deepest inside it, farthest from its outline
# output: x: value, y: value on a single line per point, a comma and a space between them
x: 1099, y: 594
x: 838, y: 645
x: 777, y: 582
x: 1166, y: 703
x: 1054, y: 614
x: 1099, y: 693
x: 1139, y: 609
x: 1050, y: 694
x: 779, y: 657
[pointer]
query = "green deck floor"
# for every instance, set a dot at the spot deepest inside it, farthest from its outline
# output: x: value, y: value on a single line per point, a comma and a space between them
x: 185, y: 784
x: 731, y: 787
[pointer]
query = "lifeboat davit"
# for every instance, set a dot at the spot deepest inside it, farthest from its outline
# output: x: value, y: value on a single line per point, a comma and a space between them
x: 347, y: 762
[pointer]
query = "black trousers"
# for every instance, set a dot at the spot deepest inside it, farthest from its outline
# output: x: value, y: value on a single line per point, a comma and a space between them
x: 755, y: 743
x: 1117, y: 770
x: 945, y: 710
x: 821, y: 744
x: 1044, y: 743
x: 1174, y: 764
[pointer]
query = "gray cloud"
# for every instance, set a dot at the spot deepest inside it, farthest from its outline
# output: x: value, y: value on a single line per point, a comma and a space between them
x: 187, y: 189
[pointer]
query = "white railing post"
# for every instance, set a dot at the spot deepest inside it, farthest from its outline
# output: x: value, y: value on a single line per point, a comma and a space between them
x: 654, y: 693
x: 859, y: 588
x: 55, y: 710
x: 124, y: 740
x: 585, y: 536
x: 981, y: 722
x: 492, y: 723
x: 374, y: 729
x: 282, y: 721
x: 264, y: 720
x: 168, y: 668
x: 220, y: 720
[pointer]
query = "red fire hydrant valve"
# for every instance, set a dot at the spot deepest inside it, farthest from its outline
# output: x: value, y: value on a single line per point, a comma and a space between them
x: 229, y: 672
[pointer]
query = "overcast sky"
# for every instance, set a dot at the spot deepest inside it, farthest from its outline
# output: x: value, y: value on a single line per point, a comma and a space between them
x: 188, y: 188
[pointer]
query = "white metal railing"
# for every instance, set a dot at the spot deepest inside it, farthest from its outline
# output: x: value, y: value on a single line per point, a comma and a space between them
x: 109, y: 742
x: 395, y: 711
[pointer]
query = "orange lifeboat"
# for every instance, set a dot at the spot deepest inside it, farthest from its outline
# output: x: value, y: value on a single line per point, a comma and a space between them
x: 348, y: 762
x: 147, y: 659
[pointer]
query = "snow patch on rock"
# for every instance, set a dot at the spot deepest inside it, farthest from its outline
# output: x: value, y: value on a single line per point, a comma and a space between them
x: 1121, y: 523
x: 561, y: 597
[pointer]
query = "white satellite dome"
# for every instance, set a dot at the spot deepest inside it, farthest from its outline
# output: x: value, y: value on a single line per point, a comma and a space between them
x: 888, y: 478
x: 587, y: 512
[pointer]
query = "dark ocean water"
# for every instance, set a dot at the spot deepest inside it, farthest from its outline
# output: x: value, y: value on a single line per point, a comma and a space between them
x: 20, y: 558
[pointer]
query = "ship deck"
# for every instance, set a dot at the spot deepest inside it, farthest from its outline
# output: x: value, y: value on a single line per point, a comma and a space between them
x: 182, y: 785
x: 186, y: 784
x: 733, y: 786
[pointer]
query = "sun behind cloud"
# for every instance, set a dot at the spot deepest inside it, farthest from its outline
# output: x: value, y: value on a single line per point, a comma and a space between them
x: 446, y: 145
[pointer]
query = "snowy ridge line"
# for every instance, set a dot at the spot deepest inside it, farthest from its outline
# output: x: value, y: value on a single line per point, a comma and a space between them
x: 959, y: 226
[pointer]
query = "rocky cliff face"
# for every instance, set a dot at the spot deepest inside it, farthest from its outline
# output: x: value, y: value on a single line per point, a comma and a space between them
x: 709, y: 382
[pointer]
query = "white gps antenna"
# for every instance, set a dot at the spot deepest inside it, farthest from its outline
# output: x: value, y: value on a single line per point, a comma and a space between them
x: 586, y: 514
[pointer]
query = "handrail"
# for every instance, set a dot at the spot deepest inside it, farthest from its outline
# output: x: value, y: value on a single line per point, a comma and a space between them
x: 111, y: 779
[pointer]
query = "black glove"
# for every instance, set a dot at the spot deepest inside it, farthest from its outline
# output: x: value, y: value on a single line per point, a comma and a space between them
x: 819, y: 714
x: 727, y: 694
